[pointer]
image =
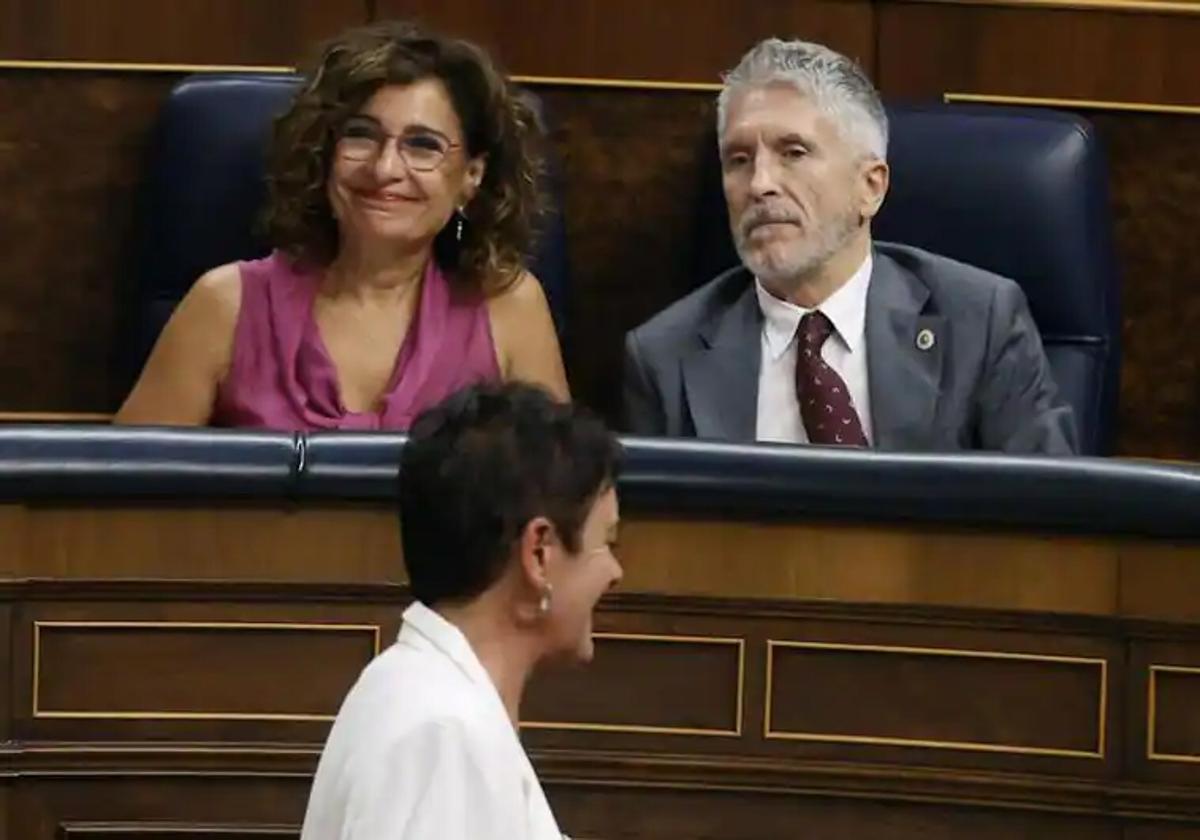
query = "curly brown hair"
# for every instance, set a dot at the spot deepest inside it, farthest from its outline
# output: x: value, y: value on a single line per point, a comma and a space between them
x: 502, y: 215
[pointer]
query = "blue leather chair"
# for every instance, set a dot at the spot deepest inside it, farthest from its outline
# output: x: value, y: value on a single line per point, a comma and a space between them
x: 1022, y: 193
x: 205, y: 187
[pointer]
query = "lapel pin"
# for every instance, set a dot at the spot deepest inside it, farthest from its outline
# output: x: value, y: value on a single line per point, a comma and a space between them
x: 926, y: 339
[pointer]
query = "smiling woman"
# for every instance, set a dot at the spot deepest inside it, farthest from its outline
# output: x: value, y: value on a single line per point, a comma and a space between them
x: 402, y: 201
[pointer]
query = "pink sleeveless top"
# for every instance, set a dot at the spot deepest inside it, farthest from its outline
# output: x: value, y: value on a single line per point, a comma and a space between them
x: 281, y: 376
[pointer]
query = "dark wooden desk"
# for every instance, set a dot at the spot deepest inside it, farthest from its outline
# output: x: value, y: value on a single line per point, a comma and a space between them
x: 175, y: 666
x: 180, y: 665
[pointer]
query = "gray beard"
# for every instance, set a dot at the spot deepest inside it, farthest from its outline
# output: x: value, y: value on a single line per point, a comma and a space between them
x: 802, y: 258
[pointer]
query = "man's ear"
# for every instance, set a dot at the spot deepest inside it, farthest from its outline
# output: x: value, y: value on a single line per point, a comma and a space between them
x: 875, y: 179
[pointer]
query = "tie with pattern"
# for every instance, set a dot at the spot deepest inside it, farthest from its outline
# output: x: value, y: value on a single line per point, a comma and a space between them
x: 825, y: 404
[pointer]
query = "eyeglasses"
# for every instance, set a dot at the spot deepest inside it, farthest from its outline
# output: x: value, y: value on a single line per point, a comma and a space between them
x: 361, y: 139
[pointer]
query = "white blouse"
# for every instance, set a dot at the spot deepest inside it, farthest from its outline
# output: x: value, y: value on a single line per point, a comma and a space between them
x: 423, y: 749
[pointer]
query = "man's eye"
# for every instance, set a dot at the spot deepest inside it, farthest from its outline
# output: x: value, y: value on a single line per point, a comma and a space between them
x: 795, y: 152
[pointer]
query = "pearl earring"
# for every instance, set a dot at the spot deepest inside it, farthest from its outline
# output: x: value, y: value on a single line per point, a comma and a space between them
x: 544, y: 603
x: 459, y: 225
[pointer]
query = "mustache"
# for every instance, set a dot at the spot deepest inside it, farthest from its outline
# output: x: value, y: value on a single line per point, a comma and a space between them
x: 765, y: 216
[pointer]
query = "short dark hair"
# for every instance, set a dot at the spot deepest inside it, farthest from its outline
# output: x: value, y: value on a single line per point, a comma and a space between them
x: 479, y: 466
x: 497, y: 122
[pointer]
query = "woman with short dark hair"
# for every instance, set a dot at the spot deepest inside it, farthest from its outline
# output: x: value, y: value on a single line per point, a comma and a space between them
x: 508, y: 516
x: 402, y: 200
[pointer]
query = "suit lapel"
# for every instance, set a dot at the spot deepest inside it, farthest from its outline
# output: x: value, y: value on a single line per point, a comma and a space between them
x: 721, y: 378
x: 904, y: 379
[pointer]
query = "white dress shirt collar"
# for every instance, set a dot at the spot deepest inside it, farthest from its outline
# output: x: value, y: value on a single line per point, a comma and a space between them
x: 423, y: 626
x: 846, y: 309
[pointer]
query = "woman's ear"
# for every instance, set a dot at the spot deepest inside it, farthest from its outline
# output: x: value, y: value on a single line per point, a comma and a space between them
x: 534, y: 547
x: 476, y: 169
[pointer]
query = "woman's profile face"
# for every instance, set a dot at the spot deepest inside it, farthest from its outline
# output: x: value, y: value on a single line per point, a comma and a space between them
x: 400, y: 167
x: 581, y: 578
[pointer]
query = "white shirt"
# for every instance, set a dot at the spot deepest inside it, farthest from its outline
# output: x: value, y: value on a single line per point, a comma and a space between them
x: 423, y: 749
x: 845, y: 351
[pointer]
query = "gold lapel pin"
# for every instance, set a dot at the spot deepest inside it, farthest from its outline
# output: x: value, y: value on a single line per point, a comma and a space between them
x: 926, y: 339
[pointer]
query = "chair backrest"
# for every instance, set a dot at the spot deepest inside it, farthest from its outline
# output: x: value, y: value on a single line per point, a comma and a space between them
x: 205, y: 188
x: 1022, y: 193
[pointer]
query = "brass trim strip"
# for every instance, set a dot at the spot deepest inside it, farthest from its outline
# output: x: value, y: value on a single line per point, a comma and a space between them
x: 140, y: 67
x: 1152, y: 752
x: 972, y: 746
x: 642, y: 729
x: 83, y: 830
x: 603, y: 82
x: 1177, y: 7
x: 67, y: 714
x: 54, y: 417
x: 156, y: 749
x: 1080, y: 104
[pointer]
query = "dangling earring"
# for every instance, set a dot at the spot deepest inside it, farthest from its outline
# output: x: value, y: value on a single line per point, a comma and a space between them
x: 461, y: 217
x: 544, y: 604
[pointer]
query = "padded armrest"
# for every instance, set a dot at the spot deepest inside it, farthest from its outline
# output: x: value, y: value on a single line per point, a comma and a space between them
x: 350, y: 465
x: 756, y: 483
x: 760, y: 482
x: 1086, y: 495
x: 109, y: 462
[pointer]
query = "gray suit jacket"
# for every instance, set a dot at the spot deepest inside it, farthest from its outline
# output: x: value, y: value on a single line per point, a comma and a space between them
x: 692, y: 370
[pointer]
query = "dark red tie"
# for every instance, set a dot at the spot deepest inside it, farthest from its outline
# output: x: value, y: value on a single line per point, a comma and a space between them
x: 825, y: 404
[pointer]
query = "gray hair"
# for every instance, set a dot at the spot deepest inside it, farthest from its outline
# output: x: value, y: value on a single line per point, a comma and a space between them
x: 836, y: 84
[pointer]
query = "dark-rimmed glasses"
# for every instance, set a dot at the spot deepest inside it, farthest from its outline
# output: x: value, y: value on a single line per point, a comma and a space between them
x: 422, y: 150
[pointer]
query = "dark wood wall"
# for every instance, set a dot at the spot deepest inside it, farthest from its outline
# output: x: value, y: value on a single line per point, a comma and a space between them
x: 72, y: 142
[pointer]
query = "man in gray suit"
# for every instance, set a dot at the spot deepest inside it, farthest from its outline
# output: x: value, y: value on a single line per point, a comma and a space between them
x: 822, y: 336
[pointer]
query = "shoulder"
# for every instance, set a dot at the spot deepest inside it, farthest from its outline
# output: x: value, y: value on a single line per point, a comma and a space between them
x: 520, y: 296
x: 954, y: 287
x: 220, y: 287
x: 680, y: 321
x: 410, y: 687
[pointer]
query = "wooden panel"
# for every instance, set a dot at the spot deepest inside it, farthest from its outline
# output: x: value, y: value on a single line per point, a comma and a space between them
x: 1161, y: 726
x: 1160, y: 580
x: 747, y: 815
x: 76, y: 160
x: 196, y: 671
x: 619, y: 147
x: 604, y: 699
x: 159, y: 831
x: 846, y: 562
x: 193, y: 668
x: 937, y: 698
x: 926, y: 49
x: 871, y: 564
x: 1175, y: 722
x: 353, y: 544
x: 1161, y: 831
x: 12, y: 539
x: 1187, y: 7
x: 46, y: 809
x: 1155, y: 165
x: 6, y: 672
x: 264, y: 32
x: 76, y: 775
x: 671, y: 40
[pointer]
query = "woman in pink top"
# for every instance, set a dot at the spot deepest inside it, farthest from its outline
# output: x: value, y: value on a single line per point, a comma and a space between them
x: 402, y: 192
